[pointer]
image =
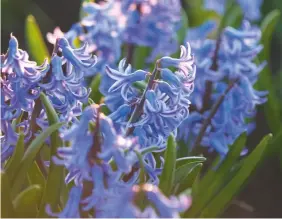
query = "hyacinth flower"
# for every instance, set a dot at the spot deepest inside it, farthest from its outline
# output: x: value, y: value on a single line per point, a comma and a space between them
x: 76, y: 158
x: 154, y: 24
x: 65, y: 86
x: 19, y: 81
x: 99, y: 29
x: 251, y: 8
x: 89, y: 158
x: 118, y: 84
x: 155, y: 113
x: 19, y: 90
x: 107, y: 25
x: 231, y: 81
x: 159, y: 206
x: 71, y: 209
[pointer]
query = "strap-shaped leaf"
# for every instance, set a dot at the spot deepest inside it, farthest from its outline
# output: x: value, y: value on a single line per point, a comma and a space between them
x: 140, y: 55
x: 181, y: 34
x: 168, y: 173
x: 219, y: 171
x: 273, y: 105
x: 186, y: 160
x: 190, y: 180
x: 216, y: 178
x: 142, y: 176
x: 29, y: 157
x: 16, y: 121
x: 55, y: 180
x: 220, y: 201
x: 14, y: 163
x: 35, y: 175
x: 95, y: 94
x: 26, y: 202
x: 36, y: 45
x: 182, y: 172
x: 196, y: 14
x: 7, y: 208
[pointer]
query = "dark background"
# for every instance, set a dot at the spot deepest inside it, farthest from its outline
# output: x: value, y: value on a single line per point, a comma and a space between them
x: 262, y: 196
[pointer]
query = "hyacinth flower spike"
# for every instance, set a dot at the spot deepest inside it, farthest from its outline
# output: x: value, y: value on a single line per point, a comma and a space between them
x: 124, y: 76
x: 71, y: 210
x: 184, y: 63
x: 77, y: 57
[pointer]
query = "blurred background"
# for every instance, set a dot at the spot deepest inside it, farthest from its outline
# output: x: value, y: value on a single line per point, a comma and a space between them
x: 262, y: 196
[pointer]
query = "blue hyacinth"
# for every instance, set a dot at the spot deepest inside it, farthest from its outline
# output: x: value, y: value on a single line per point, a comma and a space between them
x: 22, y: 82
x: 99, y: 29
x: 19, y: 81
x: 153, y: 24
x: 123, y: 150
x: 157, y: 112
x: 89, y: 158
x: 76, y: 158
x: 65, y: 87
x: 106, y: 25
x: 71, y: 209
x: 235, y: 67
x: 126, y: 205
x: 251, y: 8
x: 20, y: 88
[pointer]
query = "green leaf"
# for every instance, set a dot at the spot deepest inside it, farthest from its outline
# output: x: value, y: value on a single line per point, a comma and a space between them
x: 185, y: 160
x: 149, y: 150
x: 142, y: 178
x: 7, y: 208
x: 197, y: 15
x: 141, y: 85
x: 35, y: 175
x: 183, y: 171
x: 167, y: 176
x: 29, y: 157
x: 16, y: 121
x: 181, y: 34
x: 95, y: 94
x: 26, y: 202
x: 226, y: 165
x: 35, y: 42
x: 140, y: 55
x: 14, y: 162
x: 189, y: 180
x: 273, y: 105
x: 182, y: 148
x: 215, y: 179
x: 220, y: 201
x: 56, y: 175
x: 267, y: 28
x: 275, y: 145
x: 231, y: 16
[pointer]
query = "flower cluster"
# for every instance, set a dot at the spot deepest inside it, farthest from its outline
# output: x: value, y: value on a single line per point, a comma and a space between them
x: 229, y: 71
x: 107, y: 25
x: 154, y: 113
x: 22, y: 81
x: 19, y: 81
x: 154, y: 24
x: 64, y: 84
x: 106, y: 160
x: 113, y: 153
x: 251, y: 8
